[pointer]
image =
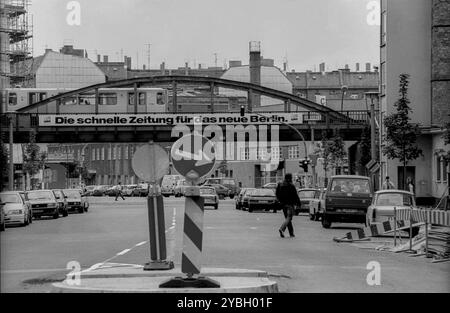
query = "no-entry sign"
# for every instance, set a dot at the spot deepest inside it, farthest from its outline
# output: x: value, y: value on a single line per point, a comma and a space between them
x: 193, y: 156
x: 150, y: 162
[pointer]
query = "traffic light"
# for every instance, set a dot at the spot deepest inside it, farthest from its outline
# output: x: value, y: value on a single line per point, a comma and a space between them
x: 242, y: 110
x: 304, y: 164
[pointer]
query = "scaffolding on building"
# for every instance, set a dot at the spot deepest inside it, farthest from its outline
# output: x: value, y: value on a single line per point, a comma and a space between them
x: 16, y: 33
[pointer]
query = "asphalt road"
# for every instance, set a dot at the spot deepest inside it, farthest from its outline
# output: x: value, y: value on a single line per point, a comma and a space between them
x: 117, y: 232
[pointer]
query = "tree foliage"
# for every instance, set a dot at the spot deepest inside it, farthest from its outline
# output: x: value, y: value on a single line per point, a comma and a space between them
x: 365, y: 148
x: 33, y: 159
x: 335, y: 150
x: 401, y: 135
x: 446, y: 138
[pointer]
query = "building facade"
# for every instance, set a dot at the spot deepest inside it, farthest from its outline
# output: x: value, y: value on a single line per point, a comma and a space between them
x: 415, y: 40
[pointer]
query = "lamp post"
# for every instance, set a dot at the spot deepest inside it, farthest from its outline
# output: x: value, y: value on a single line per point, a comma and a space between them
x: 373, y: 148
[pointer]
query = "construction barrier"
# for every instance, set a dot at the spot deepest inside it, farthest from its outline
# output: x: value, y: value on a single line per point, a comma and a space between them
x: 436, y: 217
x: 377, y: 229
x: 191, y: 259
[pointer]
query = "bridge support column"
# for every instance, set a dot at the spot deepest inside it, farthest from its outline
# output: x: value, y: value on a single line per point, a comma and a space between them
x: 212, y: 97
x: 174, y: 97
x: 250, y: 100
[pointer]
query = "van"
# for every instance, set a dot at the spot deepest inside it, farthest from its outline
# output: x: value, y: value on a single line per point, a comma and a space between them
x: 168, y: 184
x: 347, y: 199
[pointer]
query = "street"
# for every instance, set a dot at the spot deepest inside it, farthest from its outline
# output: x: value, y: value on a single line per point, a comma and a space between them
x: 117, y: 232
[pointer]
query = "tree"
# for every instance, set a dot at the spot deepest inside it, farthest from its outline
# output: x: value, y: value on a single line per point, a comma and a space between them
x: 33, y: 159
x: 364, y: 148
x: 446, y: 137
x: 335, y: 150
x: 401, y: 135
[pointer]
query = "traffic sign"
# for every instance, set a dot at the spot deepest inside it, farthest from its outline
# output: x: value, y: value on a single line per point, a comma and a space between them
x: 150, y: 162
x: 193, y: 156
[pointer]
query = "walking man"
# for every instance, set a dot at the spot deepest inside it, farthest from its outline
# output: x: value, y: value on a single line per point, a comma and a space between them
x: 119, y: 192
x: 287, y: 197
x: 388, y: 184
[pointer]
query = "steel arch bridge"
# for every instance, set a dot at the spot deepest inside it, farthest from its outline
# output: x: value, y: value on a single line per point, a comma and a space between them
x: 349, y: 123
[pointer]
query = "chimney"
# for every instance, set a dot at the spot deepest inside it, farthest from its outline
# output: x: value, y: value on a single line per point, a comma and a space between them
x: 322, y: 67
x: 199, y: 66
x: 347, y: 67
x: 143, y: 67
x: 235, y: 63
x: 129, y: 62
x: 105, y: 59
x: 162, y: 67
x: 255, y: 68
x: 285, y: 67
x: 357, y: 67
x: 367, y: 67
x: 99, y: 58
x: 186, y: 69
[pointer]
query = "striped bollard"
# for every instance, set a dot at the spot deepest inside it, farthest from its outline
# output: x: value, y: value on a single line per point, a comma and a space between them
x: 158, y: 252
x: 191, y: 260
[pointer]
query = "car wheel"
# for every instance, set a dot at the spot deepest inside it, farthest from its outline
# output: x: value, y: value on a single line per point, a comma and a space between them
x: 325, y: 222
x: 56, y: 215
x: 221, y: 197
x: 2, y: 226
x: 232, y: 196
x: 25, y: 221
x: 65, y: 213
x: 216, y: 206
x: 250, y: 210
x: 316, y: 217
x: 30, y: 218
x: 81, y: 210
x: 312, y: 217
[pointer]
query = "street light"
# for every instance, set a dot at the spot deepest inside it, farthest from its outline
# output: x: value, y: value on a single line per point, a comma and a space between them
x: 344, y: 89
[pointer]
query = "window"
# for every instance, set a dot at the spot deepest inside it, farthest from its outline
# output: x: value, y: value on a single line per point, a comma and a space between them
x: 383, y: 27
x: 114, y: 157
x: 141, y: 96
x: 125, y: 152
x: 103, y: 154
x: 87, y: 99
x: 12, y: 100
x: 383, y: 78
x: 93, y: 154
x: 275, y: 153
x: 438, y: 168
x: 119, y: 152
x: 34, y: 97
x: 110, y: 153
x: 293, y: 152
x: 107, y: 98
x: 98, y: 154
x: 444, y: 170
x: 160, y: 98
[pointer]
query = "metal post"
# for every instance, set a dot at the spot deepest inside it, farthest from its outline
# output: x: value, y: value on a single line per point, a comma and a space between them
x: 11, y: 155
x: 395, y: 226
x: 426, y: 233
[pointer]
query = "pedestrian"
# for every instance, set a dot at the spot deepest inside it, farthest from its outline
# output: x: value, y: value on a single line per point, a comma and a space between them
x: 119, y: 191
x: 388, y: 184
x: 287, y: 197
x: 410, y: 185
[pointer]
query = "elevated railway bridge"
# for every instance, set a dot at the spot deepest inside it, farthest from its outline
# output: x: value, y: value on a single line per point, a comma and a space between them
x: 53, y: 125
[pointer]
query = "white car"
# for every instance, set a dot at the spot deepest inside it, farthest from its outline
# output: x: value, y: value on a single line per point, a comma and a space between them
x: 316, y: 206
x: 383, y: 203
x: 210, y: 197
x: 16, y: 209
x: 76, y: 201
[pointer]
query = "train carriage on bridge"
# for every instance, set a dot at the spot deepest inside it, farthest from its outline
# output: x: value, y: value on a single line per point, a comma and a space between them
x: 111, y: 100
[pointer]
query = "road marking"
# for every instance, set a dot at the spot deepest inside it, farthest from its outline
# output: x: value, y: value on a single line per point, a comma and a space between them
x: 37, y: 270
x: 123, y: 252
x: 141, y: 243
x: 253, y: 228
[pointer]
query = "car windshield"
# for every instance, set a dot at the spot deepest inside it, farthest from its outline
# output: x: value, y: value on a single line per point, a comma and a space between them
x: 72, y: 193
x: 354, y: 185
x: 58, y: 194
x: 207, y: 191
x: 306, y: 193
x: 228, y: 182
x: 393, y: 199
x: 90, y: 187
x: 40, y: 195
x: 211, y: 181
x: 262, y: 193
x: 10, y: 198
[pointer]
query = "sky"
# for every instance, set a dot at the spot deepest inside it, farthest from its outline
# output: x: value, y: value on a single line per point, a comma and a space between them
x: 303, y: 32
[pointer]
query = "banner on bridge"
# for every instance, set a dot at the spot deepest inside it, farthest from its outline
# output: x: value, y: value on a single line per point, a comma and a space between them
x: 76, y: 120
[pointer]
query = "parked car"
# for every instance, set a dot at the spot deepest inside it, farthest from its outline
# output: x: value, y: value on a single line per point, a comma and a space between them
x: 168, y: 184
x: 241, y: 198
x: 221, y: 190
x: 99, y: 191
x: 306, y: 195
x: 43, y: 203
x: 229, y: 183
x: 112, y: 191
x: 316, y: 206
x: 2, y: 217
x: 383, y: 203
x: 272, y: 186
x: 141, y: 190
x: 210, y: 196
x: 76, y: 201
x: 89, y: 190
x: 261, y: 199
x: 62, y: 202
x: 16, y: 210
x: 180, y: 188
x: 347, y: 199
x: 127, y: 190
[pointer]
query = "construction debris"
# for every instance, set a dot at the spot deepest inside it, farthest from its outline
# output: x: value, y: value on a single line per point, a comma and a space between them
x: 439, y: 241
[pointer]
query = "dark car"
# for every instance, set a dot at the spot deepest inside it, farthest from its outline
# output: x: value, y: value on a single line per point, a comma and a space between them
x: 2, y: 217
x: 261, y: 199
x: 229, y: 183
x: 99, y: 191
x: 241, y: 198
x: 221, y: 190
x: 43, y: 203
x: 62, y: 202
x: 306, y: 195
x: 141, y: 190
x: 347, y: 199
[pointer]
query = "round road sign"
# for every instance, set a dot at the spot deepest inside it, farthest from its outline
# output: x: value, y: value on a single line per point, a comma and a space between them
x: 150, y: 162
x: 193, y: 156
